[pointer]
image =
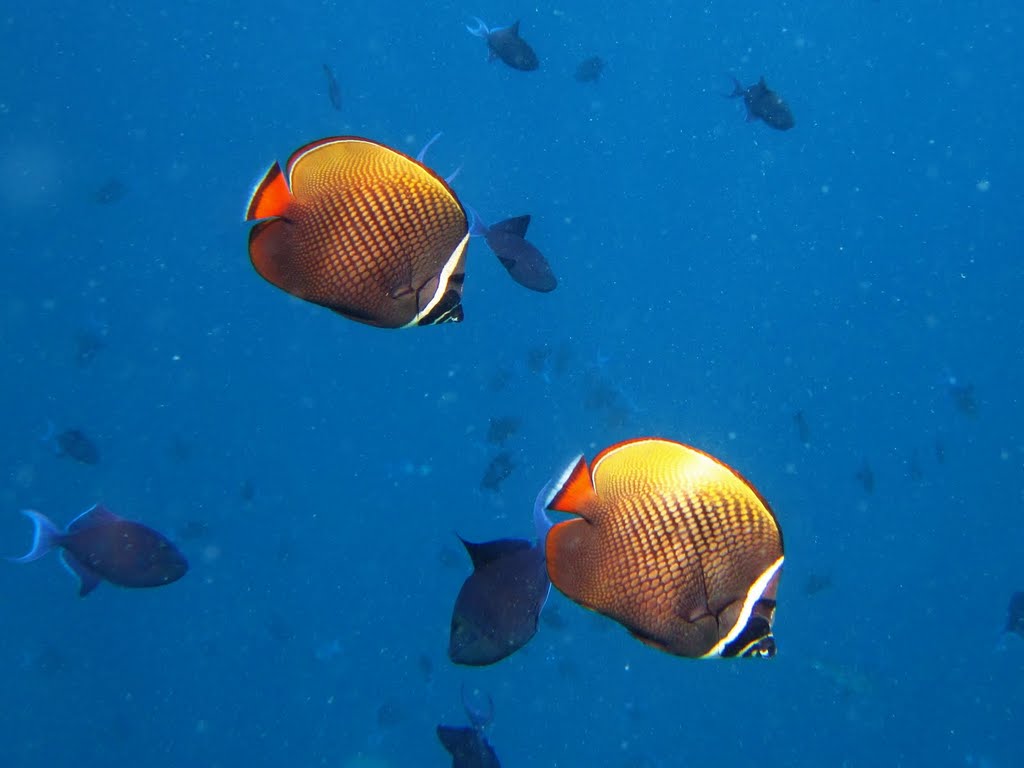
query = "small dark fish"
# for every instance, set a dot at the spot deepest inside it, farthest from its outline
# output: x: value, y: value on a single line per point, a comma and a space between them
x: 1015, y: 617
x: 963, y: 398
x: 497, y: 471
x: 333, y: 90
x: 866, y: 477
x: 501, y: 429
x: 112, y: 190
x: 247, y: 491
x: 802, y: 429
x: 764, y: 104
x: 468, y: 745
x: 526, y: 264
x: 100, y: 546
x: 589, y: 70
x: 498, y: 607
x: 817, y: 582
x: 940, y: 450
x: 505, y: 43
x: 74, y: 444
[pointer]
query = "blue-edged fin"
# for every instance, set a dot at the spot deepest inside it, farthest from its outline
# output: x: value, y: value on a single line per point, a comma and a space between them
x: 87, y: 580
x: 573, y: 489
x: 93, y: 516
x: 541, y: 522
x: 45, y: 537
x: 488, y: 551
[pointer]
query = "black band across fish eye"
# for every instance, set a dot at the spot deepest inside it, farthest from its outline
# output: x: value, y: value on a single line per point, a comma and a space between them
x: 756, y: 639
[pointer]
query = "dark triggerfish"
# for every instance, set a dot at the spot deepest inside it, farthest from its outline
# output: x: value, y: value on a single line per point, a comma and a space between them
x: 73, y: 443
x: 364, y: 230
x: 671, y: 543
x: 505, y: 43
x: 764, y: 104
x: 100, y: 546
x: 524, y: 262
x: 468, y: 745
x: 499, y: 604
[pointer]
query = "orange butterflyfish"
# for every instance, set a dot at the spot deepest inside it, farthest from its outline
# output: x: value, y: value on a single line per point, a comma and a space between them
x: 671, y: 543
x: 364, y: 230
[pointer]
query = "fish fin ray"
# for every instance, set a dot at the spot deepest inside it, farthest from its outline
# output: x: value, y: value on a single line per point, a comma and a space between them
x: 94, y: 515
x: 271, y: 196
x: 574, y: 490
x: 45, y: 536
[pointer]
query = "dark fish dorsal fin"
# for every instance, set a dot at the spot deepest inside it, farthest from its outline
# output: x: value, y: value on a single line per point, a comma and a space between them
x: 485, y: 552
x: 515, y: 226
x: 96, y: 515
x: 514, y: 29
x: 762, y: 84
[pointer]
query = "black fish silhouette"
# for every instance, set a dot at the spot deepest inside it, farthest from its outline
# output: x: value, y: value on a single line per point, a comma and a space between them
x: 524, y: 262
x: 764, y: 104
x: 73, y: 443
x: 505, y: 43
x: 333, y: 89
x: 498, y: 607
x: 100, y: 546
x: 468, y: 745
x: 497, y: 471
x: 589, y: 70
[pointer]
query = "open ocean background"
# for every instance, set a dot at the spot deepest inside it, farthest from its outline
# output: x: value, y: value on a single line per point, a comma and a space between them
x: 716, y: 277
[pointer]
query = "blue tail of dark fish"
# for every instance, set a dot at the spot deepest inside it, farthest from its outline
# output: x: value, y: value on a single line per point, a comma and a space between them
x: 479, y: 28
x: 737, y: 91
x: 477, y: 228
x: 479, y: 707
x: 45, y: 537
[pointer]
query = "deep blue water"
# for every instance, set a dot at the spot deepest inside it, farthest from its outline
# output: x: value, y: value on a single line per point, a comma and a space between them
x: 716, y: 277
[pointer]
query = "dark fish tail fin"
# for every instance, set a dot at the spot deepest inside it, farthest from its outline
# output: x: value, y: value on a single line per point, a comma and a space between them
x: 479, y: 707
x: 479, y: 29
x: 541, y: 522
x: 45, y: 537
x: 477, y: 228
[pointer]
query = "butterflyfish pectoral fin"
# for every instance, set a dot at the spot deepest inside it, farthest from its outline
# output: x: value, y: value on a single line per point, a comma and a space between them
x: 271, y: 196
x: 574, y: 491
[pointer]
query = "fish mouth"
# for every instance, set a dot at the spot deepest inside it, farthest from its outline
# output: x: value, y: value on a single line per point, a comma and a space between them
x: 753, y: 625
